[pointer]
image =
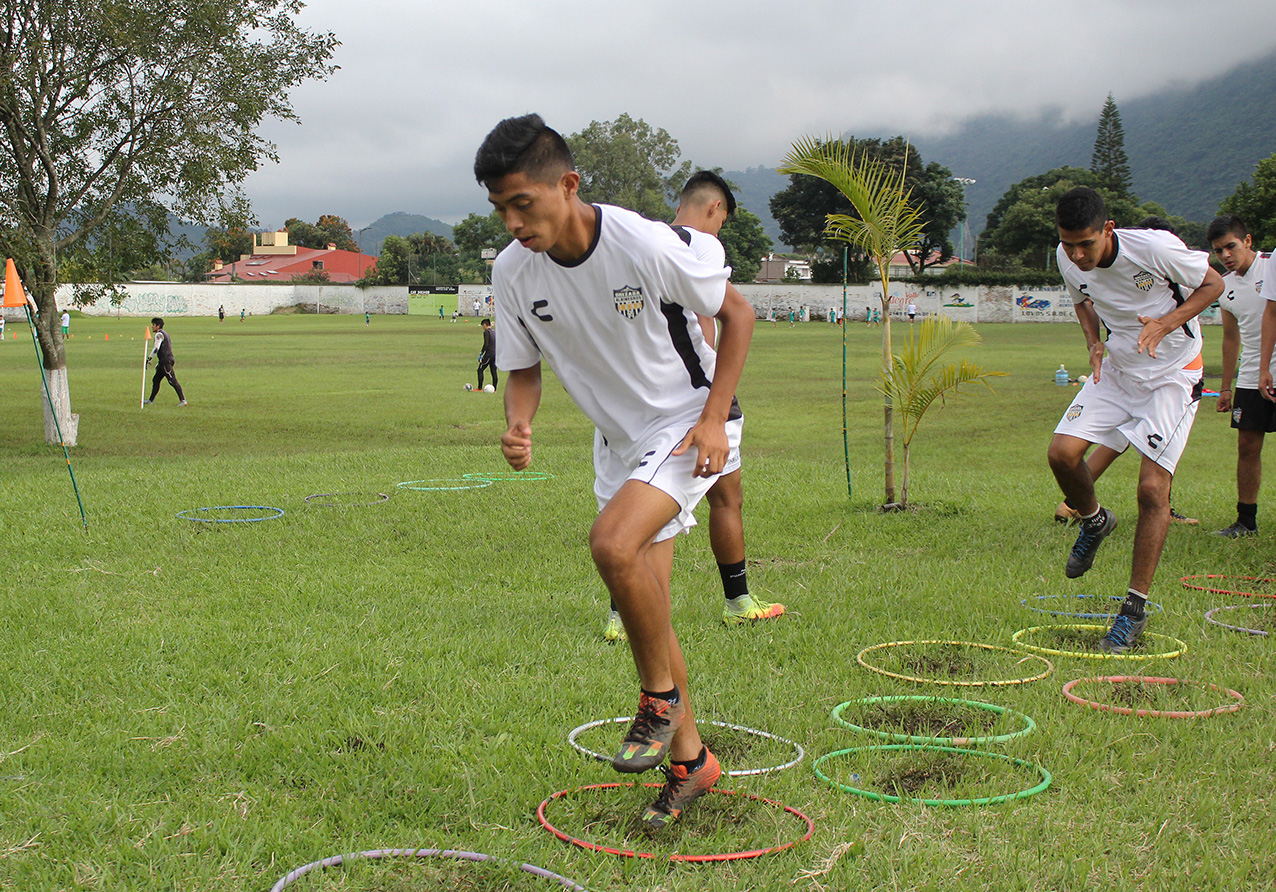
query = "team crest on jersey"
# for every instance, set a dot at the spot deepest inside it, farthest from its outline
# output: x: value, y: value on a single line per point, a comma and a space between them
x: 1143, y: 280
x: 1074, y: 412
x: 629, y: 301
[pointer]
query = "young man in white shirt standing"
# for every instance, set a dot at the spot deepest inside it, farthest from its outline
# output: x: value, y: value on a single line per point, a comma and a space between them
x: 1252, y: 416
x: 1146, y: 288
x: 609, y: 300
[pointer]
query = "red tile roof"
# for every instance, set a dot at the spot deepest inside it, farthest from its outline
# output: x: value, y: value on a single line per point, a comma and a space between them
x: 342, y: 267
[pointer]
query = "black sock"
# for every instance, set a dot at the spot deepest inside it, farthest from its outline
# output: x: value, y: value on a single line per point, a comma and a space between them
x: 1096, y: 519
x: 694, y: 765
x: 670, y: 695
x: 1247, y: 515
x: 735, y: 581
x: 1133, y: 604
x: 612, y: 602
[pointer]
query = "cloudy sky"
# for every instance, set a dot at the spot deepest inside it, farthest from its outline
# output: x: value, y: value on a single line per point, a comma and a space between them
x: 734, y: 81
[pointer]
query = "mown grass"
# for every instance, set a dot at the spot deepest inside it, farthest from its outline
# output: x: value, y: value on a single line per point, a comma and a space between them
x: 206, y: 706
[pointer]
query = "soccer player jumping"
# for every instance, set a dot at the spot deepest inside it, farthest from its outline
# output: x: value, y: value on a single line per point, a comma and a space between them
x: 1144, y: 392
x: 609, y: 300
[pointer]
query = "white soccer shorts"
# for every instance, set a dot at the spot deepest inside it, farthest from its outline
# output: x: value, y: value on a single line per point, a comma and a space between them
x: 673, y: 475
x: 1155, y: 417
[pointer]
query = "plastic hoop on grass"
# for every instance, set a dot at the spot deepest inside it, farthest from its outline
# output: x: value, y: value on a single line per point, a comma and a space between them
x: 1153, y: 713
x: 739, y: 772
x: 384, y: 854
x: 1067, y: 614
x: 380, y: 497
x: 189, y: 514
x: 691, y: 859
x: 1044, y: 783
x: 1261, y: 632
x: 500, y: 476
x: 1028, y: 728
x: 444, y: 484
x: 1017, y: 638
x: 1000, y: 682
x: 1223, y: 591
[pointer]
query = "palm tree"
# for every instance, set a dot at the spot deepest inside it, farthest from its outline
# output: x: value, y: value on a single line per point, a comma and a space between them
x: 916, y: 380
x: 887, y: 223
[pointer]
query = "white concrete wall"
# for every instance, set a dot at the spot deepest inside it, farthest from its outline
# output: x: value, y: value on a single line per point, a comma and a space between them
x: 973, y: 304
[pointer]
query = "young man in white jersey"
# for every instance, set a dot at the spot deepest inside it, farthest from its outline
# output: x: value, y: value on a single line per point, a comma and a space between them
x: 703, y: 207
x: 1252, y: 416
x: 609, y: 300
x: 1144, y: 392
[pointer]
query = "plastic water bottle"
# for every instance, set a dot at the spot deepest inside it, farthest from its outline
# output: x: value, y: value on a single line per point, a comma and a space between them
x: 1061, y: 376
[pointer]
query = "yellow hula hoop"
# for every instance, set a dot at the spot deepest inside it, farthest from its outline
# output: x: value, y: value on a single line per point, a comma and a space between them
x: 1017, y: 638
x: 1001, y: 682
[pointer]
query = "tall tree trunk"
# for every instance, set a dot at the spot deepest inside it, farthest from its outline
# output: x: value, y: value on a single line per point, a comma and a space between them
x: 56, y: 402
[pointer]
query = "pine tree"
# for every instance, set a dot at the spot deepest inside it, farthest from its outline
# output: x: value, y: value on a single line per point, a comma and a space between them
x: 1109, y: 160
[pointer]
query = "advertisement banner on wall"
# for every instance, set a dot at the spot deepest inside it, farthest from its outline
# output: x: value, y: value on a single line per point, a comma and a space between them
x: 962, y: 306
x: 432, y: 300
x: 1048, y: 303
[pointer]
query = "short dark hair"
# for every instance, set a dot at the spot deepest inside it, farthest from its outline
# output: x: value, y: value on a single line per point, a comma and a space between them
x: 157, y: 322
x: 523, y: 145
x: 1080, y: 209
x: 1156, y: 222
x: 486, y: 323
x: 705, y: 180
x: 1227, y: 223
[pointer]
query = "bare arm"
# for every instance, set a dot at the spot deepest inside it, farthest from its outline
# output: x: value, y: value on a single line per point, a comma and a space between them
x: 1231, y: 349
x: 1265, y: 351
x: 1155, y: 329
x: 709, y: 435
x: 522, y: 399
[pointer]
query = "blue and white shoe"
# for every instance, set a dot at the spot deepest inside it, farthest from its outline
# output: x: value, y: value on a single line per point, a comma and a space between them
x: 1124, y: 634
x: 1092, y: 534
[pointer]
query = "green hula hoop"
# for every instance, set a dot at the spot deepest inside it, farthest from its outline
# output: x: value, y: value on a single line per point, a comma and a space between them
x: 1001, y: 682
x: 1045, y: 775
x: 1017, y: 638
x: 1029, y: 724
x: 510, y: 475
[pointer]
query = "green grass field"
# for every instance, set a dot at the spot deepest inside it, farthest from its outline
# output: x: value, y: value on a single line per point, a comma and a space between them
x: 197, y: 706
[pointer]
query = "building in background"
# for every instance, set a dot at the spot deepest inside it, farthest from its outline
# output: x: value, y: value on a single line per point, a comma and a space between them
x: 274, y: 260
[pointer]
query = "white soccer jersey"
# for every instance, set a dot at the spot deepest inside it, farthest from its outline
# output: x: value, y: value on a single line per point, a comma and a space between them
x: 1153, y: 272
x: 705, y: 246
x: 618, y: 326
x: 1242, y: 297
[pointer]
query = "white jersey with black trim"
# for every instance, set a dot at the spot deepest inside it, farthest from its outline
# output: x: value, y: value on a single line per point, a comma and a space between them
x: 1242, y: 297
x: 1153, y: 272
x: 705, y: 246
x: 618, y: 326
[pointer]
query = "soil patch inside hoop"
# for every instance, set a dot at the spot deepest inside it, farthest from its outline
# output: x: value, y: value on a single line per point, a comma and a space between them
x: 928, y: 719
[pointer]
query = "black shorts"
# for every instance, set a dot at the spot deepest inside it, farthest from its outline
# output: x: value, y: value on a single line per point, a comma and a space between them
x: 1250, y: 412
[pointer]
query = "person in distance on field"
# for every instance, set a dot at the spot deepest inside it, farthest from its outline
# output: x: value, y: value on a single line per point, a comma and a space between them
x: 487, y: 356
x: 609, y: 300
x: 162, y: 351
x: 1145, y: 391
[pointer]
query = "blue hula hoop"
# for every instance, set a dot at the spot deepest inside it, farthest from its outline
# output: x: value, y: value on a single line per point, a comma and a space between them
x: 187, y: 514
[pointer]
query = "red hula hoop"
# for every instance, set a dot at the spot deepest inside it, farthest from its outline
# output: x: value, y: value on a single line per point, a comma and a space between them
x: 691, y: 859
x: 1153, y: 713
x: 1223, y: 591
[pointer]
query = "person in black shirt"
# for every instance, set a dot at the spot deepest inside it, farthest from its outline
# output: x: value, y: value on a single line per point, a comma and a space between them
x: 164, y: 366
x: 487, y: 356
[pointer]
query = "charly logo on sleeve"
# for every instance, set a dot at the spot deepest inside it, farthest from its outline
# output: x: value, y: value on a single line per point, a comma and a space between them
x: 629, y: 301
x: 1143, y: 280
